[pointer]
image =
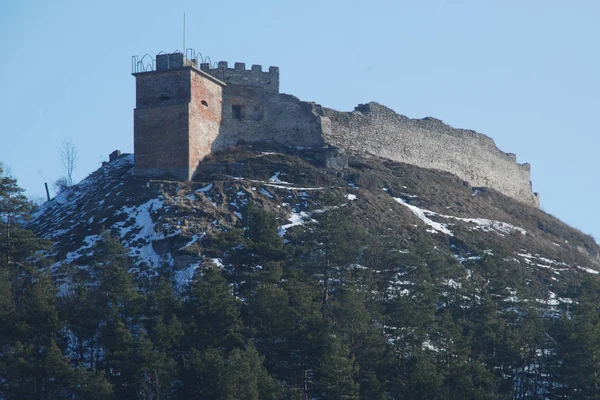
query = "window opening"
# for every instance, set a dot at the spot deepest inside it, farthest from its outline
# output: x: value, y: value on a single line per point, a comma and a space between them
x: 236, y: 111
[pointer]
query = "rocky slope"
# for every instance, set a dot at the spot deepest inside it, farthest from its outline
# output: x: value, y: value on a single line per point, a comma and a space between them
x: 171, y: 223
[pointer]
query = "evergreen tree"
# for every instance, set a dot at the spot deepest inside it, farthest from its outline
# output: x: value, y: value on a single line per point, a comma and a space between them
x: 203, y: 374
x: 422, y: 379
x: 13, y: 207
x: 337, y: 371
x: 332, y: 246
x: 246, y: 378
x: 354, y: 325
x: 257, y: 252
x: 213, y: 316
x: 580, y: 349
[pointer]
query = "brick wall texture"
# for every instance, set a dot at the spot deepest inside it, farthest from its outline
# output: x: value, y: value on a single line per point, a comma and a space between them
x: 176, y: 119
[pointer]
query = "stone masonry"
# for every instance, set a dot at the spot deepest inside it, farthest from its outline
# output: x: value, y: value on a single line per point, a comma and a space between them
x: 184, y: 112
x: 429, y: 143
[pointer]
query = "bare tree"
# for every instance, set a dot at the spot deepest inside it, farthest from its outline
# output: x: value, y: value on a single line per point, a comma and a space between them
x: 68, y: 158
x: 60, y: 184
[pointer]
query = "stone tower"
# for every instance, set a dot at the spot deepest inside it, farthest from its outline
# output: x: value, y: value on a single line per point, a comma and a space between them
x: 177, y: 116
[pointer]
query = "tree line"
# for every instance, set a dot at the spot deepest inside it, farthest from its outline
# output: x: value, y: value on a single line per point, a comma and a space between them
x: 332, y: 312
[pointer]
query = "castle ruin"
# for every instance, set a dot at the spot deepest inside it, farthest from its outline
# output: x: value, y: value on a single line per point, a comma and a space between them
x: 186, y: 110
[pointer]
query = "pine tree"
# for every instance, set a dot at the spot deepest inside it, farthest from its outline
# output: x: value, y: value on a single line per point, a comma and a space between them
x: 269, y: 320
x: 93, y: 385
x: 203, y: 374
x: 423, y: 379
x: 354, y: 325
x: 84, y: 318
x: 212, y: 312
x: 337, y: 372
x: 31, y: 363
x: 306, y: 336
x: 580, y: 349
x: 13, y: 207
x: 332, y: 246
x: 257, y: 252
x: 246, y: 377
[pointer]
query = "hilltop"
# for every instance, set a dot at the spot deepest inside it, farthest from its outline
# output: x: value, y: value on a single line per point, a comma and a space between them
x: 166, y: 222
x: 277, y: 273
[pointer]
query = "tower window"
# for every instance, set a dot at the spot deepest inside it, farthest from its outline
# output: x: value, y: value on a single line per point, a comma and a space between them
x: 204, y: 103
x: 163, y: 97
x: 236, y: 110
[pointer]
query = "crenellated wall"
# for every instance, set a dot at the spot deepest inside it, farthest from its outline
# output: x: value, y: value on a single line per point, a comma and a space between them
x: 239, y: 75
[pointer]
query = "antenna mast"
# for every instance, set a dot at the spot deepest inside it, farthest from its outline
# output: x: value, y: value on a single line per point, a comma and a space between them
x: 184, y: 34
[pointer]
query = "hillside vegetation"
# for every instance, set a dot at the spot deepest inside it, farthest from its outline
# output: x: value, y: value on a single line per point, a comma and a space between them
x: 271, y: 277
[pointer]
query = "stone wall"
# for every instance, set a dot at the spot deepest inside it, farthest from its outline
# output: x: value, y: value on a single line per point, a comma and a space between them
x: 428, y: 143
x: 265, y: 116
x: 239, y: 75
x: 160, y: 88
x: 161, y: 140
x: 171, y: 61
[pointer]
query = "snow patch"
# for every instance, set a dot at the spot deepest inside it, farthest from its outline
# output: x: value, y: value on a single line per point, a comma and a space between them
x: 275, y: 179
x: 588, y: 270
x: 422, y: 215
x: 186, y: 275
x: 297, y: 218
x: 486, y: 225
x: 266, y: 193
x: 205, y: 188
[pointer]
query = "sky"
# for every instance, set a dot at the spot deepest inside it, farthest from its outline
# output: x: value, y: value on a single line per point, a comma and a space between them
x: 525, y: 73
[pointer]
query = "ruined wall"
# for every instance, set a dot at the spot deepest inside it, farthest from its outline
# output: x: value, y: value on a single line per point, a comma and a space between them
x: 266, y: 116
x: 429, y: 143
x: 253, y: 109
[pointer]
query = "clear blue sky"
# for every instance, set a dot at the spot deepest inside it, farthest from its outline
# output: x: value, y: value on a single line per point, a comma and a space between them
x: 523, y: 72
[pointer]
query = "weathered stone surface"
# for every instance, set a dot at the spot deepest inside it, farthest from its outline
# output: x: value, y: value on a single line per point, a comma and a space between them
x: 266, y: 116
x: 332, y: 157
x: 239, y: 75
x: 429, y: 143
x: 205, y: 114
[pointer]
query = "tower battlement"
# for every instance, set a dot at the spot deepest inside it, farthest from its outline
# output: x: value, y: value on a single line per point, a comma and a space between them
x: 239, y: 75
